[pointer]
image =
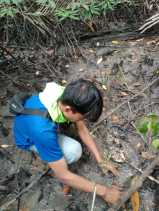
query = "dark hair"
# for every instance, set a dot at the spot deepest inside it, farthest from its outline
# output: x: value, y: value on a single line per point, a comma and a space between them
x: 84, y: 97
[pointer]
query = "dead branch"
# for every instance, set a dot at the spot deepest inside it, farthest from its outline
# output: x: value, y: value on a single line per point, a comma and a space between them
x: 8, y: 52
x: 12, y: 79
x: 32, y: 183
x: 123, y: 103
x: 136, y: 184
x: 149, y: 177
x: 149, y: 23
x: 3, y: 188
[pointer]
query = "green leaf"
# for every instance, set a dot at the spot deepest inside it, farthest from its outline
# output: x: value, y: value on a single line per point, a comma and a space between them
x: 8, y: 11
x: 10, y: 2
x: 149, y: 123
x: 75, y: 6
x: 154, y: 128
x: 37, y: 13
x: 153, y: 117
x: 64, y: 14
x: 142, y: 126
x: 153, y: 124
x: 86, y: 7
x: 5, y: 2
x: 47, y: 3
x: 155, y: 143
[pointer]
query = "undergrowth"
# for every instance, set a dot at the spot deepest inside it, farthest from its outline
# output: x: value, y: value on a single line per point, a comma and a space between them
x: 23, y: 16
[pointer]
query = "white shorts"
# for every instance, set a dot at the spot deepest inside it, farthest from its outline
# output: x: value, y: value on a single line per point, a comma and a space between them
x: 71, y: 148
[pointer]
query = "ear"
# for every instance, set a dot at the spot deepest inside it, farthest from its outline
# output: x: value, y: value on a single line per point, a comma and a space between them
x: 67, y: 108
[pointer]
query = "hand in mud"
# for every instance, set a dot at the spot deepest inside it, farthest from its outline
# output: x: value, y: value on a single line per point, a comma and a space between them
x: 113, y: 194
x: 108, y: 166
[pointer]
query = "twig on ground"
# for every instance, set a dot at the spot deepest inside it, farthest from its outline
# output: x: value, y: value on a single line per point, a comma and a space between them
x: 32, y: 183
x: 123, y: 103
x: 149, y: 177
x: 8, y: 52
x: 12, y: 79
x: 130, y: 109
x: 136, y: 184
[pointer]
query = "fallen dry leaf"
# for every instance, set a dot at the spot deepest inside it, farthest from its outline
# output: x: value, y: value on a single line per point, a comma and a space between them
x: 5, y: 146
x: 91, y: 50
x: 97, y: 44
x: 151, y: 42
x: 99, y: 60
x: 24, y: 209
x: 63, y: 81
x: 104, y: 87
x: 115, y: 42
x: 115, y: 119
x: 108, y: 166
x: 37, y: 72
x: 147, y: 155
x: 135, y: 201
x: 124, y: 94
x: 118, y: 155
x: 139, y: 40
x: 50, y: 52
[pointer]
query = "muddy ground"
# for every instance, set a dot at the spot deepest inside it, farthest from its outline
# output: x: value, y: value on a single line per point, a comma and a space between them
x: 121, y: 69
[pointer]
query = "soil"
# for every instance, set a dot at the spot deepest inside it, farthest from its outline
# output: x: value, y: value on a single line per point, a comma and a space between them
x: 120, y: 68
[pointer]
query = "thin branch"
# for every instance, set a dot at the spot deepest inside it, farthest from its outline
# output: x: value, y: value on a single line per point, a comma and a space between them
x: 33, y: 182
x: 123, y: 103
x: 150, y: 24
x: 136, y: 184
x: 8, y: 52
x: 153, y: 20
x: 149, y: 177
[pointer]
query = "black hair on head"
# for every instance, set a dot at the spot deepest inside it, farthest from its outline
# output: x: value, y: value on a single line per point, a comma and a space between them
x: 84, y: 97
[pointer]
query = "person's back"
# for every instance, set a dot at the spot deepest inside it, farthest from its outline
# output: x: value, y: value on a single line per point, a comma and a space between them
x: 37, y: 131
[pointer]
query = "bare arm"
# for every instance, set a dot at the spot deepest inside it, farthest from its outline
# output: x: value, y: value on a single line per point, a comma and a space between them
x: 88, y: 140
x: 61, y: 171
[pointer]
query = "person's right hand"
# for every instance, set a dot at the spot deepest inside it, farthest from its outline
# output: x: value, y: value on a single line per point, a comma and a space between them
x: 112, y: 195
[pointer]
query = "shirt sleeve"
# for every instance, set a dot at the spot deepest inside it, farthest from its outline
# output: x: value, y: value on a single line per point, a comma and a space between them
x: 48, y: 146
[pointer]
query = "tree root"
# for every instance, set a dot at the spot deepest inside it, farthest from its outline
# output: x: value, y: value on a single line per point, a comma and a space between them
x: 136, y: 184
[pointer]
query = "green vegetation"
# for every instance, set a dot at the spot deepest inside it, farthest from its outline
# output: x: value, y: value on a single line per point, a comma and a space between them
x: 39, y: 12
x: 86, y: 10
x: 149, y: 128
x: 76, y: 10
x: 28, y: 19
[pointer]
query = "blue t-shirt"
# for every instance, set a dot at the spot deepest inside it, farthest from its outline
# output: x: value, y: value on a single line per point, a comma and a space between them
x: 35, y: 130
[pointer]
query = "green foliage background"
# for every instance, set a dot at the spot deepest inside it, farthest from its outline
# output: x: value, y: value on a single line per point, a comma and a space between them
x: 38, y: 12
x: 78, y: 10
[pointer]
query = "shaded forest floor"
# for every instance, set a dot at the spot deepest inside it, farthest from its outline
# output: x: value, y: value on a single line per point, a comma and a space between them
x: 121, y: 68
